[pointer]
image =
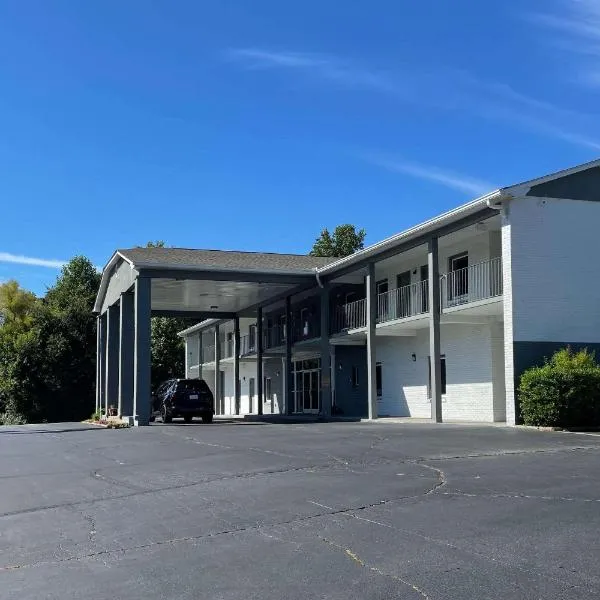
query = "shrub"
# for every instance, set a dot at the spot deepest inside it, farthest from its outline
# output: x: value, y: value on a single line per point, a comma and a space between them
x: 564, y: 392
x: 7, y: 418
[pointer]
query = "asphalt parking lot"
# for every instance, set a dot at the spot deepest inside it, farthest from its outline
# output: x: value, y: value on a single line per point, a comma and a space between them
x: 327, y: 510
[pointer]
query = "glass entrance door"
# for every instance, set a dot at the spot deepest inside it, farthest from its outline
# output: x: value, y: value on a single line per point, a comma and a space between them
x: 310, y: 391
x: 307, y: 386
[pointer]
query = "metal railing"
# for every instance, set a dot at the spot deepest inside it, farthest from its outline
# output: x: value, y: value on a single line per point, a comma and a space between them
x: 274, y: 336
x: 476, y: 282
x: 226, y: 347
x: 305, y: 329
x: 247, y: 345
x: 208, y: 354
x: 350, y: 316
x: 403, y: 302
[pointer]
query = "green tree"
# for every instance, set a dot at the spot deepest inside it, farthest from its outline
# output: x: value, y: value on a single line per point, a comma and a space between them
x: 47, y: 372
x: 345, y: 240
x: 76, y: 287
x: 167, y: 349
x: 16, y: 304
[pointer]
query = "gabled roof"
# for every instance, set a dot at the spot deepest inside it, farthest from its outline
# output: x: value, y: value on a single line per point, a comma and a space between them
x: 186, y: 258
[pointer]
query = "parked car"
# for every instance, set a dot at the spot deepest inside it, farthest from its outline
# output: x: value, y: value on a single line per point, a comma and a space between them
x: 187, y: 398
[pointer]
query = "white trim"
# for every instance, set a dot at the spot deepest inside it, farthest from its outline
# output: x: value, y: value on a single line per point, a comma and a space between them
x: 404, y: 236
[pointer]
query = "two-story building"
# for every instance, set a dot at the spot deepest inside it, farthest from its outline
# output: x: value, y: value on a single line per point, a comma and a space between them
x: 437, y: 321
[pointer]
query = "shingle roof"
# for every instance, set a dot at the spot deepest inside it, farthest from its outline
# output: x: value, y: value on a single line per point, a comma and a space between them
x: 225, y: 259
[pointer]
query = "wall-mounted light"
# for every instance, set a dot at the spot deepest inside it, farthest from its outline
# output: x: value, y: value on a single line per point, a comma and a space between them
x: 340, y: 366
x: 214, y: 307
x: 414, y: 357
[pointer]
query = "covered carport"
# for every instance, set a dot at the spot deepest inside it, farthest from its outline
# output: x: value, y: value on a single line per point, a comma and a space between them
x: 139, y: 283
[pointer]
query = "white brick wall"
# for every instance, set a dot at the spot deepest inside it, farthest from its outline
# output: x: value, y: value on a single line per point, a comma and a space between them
x: 507, y: 301
x: 555, y: 270
x: 469, y: 391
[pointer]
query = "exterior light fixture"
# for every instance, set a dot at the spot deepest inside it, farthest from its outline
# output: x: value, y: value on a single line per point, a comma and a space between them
x: 414, y: 357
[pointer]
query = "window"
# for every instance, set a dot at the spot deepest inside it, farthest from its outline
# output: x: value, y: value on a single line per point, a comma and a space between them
x: 458, y: 276
x: 424, y: 299
x: 252, y: 338
x: 378, y: 379
x: 304, y: 322
x: 443, y: 375
x: 354, y: 376
x: 282, y: 328
x: 268, y: 391
x: 229, y: 344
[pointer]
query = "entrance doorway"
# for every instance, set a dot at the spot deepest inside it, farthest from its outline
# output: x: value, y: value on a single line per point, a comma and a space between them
x: 307, y: 385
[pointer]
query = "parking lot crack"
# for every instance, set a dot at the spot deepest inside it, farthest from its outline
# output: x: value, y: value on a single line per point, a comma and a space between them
x: 353, y: 556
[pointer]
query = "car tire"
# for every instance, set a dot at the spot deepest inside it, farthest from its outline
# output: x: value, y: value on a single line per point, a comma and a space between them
x: 207, y: 418
x: 188, y: 418
x: 164, y: 415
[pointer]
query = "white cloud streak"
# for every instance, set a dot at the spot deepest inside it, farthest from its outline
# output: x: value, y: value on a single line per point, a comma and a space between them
x: 450, y: 179
x: 328, y: 68
x: 461, y: 91
x: 31, y: 261
x: 575, y: 26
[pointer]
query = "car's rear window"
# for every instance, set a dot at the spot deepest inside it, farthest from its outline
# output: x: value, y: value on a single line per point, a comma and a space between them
x: 192, y: 385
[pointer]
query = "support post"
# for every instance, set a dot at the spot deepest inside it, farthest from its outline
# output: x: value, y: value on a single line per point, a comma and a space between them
x: 434, y: 331
x: 259, y: 359
x: 325, y: 354
x: 236, y: 364
x: 371, y: 341
x: 200, y: 357
x: 288, y: 365
x: 112, y: 356
x: 126, y: 330
x: 141, y: 370
x: 218, y: 390
x: 100, y: 362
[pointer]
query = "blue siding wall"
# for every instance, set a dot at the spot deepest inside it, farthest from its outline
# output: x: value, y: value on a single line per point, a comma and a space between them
x: 351, y: 401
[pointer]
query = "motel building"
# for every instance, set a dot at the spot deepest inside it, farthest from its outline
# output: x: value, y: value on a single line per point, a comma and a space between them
x: 437, y: 321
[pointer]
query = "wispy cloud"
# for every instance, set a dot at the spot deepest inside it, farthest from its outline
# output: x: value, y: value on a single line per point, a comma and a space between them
x: 18, y: 259
x: 491, y: 100
x: 449, y: 179
x: 575, y: 25
x: 329, y: 68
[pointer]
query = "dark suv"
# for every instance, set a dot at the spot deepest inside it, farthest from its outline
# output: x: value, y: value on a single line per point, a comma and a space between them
x: 187, y: 398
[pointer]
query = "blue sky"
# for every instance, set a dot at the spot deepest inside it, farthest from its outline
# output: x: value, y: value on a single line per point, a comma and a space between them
x: 252, y: 124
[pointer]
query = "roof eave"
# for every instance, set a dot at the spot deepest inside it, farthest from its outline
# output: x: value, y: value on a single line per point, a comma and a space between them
x: 114, y: 259
x: 426, y: 227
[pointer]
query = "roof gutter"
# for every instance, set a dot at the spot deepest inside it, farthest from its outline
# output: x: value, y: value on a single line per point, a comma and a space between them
x: 491, y: 200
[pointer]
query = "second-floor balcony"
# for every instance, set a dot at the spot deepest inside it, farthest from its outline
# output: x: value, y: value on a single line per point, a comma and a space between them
x: 481, y: 281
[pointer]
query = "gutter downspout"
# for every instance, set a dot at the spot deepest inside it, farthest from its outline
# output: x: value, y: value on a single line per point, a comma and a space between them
x: 319, y: 282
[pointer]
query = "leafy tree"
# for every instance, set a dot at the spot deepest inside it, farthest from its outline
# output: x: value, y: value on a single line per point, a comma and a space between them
x: 76, y: 287
x: 167, y: 349
x: 47, y: 372
x: 16, y: 304
x: 156, y: 244
x: 345, y: 240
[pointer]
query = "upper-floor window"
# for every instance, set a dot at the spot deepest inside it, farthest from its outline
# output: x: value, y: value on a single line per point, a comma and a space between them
x: 252, y: 337
x: 304, y: 321
x: 282, y: 328
x: 458, y: 276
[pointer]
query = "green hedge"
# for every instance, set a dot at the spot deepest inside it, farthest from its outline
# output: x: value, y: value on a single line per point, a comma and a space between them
x: 564, y: 392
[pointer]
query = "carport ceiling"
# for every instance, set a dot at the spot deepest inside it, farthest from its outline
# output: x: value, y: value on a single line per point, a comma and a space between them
x: 206, y: 282
x: 212, y: 296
